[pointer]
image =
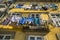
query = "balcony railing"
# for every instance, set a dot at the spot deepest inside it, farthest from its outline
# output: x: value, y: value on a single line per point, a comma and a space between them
x: 41, y: 27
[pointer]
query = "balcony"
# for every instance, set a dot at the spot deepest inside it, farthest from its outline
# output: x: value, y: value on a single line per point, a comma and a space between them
x: 26, y: 23
x: 43, y: 27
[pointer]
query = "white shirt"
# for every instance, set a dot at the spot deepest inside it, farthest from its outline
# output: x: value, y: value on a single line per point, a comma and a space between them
x: 15, y: 18
x: 27, y: 6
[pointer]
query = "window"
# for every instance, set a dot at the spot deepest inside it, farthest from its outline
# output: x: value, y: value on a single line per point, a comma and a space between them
x: 37, y: 15
x: 7, y: 35
x: 32, y: 37
x: 34, y: 15
x: 36, y: 18
x: 1, y: 37
x: 39, y: 38
x: 55, y: 18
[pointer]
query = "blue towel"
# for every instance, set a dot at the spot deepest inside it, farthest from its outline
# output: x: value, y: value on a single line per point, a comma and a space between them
x: 22, y: 21
x: 30, y: 19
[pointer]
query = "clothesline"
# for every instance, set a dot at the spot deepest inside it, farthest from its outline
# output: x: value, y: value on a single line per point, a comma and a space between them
x: 22, y: 20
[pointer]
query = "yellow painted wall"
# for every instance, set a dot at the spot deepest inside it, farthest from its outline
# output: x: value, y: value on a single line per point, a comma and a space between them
x: 44, y: 17
x: 25, y: 14
x: 49, y: 36
x: 19, y: 36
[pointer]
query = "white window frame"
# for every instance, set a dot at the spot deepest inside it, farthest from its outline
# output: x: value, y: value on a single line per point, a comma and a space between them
x: 30, y: 15
x: 35, y: 36
x: 5, y: 36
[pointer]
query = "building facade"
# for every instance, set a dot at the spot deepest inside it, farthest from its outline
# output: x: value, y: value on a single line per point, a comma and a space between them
x: 47, y: 29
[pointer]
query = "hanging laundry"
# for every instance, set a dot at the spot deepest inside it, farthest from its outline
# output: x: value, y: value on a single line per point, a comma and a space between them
x: 40, y: 7
x: 18, y: 18
x: 15, y: 18
x: 47, y: 6
x: 33, y: 20
x: 53, y: 6
x: 27, y: 7
x: 44, y: 8
x: 22, y: 21
x: 34, y: 6
x: 37, y: 21
x: 30, y: 20
x: 19, y: 6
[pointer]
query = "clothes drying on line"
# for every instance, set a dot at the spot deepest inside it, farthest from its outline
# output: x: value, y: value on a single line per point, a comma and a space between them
x: 37, y: 21
x: 15, y: 18
x: 30, y: 20
x: 53, y: 6
x: 18, y: 6
x: 22, y: 21
x: 44, y: 8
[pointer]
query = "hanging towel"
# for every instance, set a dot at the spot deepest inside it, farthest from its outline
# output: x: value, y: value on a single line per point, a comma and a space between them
x: 30, y: 20
x: 22, y: 21
x: 37, y: 21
